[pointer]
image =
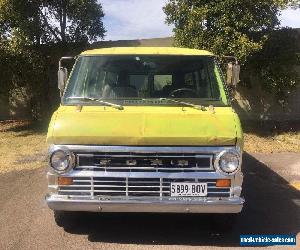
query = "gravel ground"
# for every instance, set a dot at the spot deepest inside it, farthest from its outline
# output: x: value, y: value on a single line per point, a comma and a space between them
x: 272, y: 207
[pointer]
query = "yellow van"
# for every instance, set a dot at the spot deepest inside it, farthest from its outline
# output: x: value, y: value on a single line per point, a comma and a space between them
x: 145, y: 130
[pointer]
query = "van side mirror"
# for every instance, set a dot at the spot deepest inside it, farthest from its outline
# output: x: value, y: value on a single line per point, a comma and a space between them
x: 233, y: 74
x: 62, y: 75
x: 62, y: 79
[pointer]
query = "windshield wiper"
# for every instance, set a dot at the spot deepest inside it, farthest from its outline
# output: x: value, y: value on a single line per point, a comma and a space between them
x: 119, y: 107
x: 199, y: 107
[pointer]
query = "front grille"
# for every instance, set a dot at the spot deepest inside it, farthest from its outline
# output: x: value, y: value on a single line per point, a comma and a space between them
x: 120, y: 162
x: 132, y: 187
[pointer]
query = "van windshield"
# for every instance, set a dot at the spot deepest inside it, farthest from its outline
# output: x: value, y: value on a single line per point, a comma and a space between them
x: 144, y: 80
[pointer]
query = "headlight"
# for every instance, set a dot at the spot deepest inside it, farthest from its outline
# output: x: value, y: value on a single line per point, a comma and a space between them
x: 228, y: 162
x: 61, y: 160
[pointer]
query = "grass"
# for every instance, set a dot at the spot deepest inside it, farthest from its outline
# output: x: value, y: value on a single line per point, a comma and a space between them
x: 23, y: 145
x: 272, y: 136
x: 284, y: 142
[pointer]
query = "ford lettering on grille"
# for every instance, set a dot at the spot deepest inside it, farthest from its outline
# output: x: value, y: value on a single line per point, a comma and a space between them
x: 145, y: 163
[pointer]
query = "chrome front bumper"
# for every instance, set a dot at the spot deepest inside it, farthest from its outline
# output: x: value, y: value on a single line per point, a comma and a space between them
x: 224, y: 205
x: 167, y: 204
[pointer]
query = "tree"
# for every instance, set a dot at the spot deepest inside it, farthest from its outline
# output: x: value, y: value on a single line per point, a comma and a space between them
x: 34, y: 34
x: 22, y: 73
x: 226, y: 27
x: 246, y: 29
x: 275, y: 66
x: 44, y: 21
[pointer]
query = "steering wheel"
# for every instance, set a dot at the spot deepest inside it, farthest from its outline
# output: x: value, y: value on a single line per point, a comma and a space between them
x: 181, y: 92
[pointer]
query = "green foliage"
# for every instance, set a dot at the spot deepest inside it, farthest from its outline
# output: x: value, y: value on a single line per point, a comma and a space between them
x: 243, y: 28
x: 226, y: 27
x: 44, y: 21
x: 276, y: 66
x: 34, y: 34
x: 23, y: 72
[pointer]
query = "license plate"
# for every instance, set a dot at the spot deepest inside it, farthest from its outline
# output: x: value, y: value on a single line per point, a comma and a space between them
x: 188, y: 189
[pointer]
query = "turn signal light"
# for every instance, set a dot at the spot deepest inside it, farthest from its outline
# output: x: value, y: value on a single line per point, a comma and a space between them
x: 223, y: 183
x: 63, y: 181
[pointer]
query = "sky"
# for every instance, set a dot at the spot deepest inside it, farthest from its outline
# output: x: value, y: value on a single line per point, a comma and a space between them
x: 136, y: 19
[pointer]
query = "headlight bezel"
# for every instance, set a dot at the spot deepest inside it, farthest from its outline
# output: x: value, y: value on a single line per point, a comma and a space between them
x: 221, y: 154
x: 70, y: 157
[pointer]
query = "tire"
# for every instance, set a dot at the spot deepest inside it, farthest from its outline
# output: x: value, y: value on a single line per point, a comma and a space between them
x: 224, y: 222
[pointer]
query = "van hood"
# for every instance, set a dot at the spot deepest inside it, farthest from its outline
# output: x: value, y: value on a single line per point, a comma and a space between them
x: 144, y: 126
